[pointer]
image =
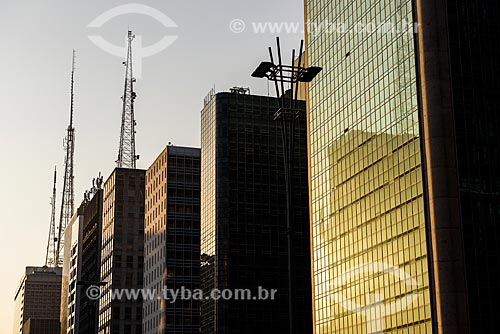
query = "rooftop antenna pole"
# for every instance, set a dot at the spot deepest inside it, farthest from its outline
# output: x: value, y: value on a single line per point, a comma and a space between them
x: 68, y: 195
x: 280, y: 69
x: 50, y: 257
x: 127, y: 156
x: 299, y: 65
x: 278, y: 94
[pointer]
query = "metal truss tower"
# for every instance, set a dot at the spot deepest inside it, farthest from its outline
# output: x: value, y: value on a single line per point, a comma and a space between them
x: 126, y: 155
x: 51, y: 256
x: 68, y: 195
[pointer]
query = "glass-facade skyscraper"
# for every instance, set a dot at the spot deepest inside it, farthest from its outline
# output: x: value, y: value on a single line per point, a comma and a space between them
x: 243, y: 217
x: 403, y: 133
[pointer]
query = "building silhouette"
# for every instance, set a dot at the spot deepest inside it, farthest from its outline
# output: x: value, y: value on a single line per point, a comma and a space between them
x: 243, y: 216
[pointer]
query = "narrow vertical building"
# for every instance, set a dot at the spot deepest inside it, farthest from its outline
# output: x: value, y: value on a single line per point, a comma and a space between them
x: 243, y: 217
x: 172, y: 240
x: 71, y: 271
x: 90, y: 259
x: 404, y: 153
x: 122, y: 252
x: 81, y: 265
x: 38, y: 300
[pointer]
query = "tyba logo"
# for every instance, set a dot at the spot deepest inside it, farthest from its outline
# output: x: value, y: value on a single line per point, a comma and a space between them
x: 140, y: 52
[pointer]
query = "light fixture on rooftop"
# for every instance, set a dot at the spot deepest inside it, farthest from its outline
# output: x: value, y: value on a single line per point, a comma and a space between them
x: 263, y: 69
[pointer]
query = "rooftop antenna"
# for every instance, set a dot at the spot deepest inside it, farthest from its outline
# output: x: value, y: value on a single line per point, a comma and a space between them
x: 51, y: 255
x: 127, y: 156
x: 68, y: 195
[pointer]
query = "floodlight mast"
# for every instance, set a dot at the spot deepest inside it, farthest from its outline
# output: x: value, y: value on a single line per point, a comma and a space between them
x: 287, y: 113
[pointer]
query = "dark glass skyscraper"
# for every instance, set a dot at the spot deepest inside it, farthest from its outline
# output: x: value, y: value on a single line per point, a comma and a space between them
x: 404, y: 141
x: 243, y: 217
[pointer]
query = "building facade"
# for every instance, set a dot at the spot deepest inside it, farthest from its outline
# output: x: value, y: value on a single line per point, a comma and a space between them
x: 172, y: 240
x: 41, y: 326
x: 403, y: 136
x: 71, y: 271
x: 38, y: 299
x: 90, y: 259
x: 243, y: 217
x: 122, y: 251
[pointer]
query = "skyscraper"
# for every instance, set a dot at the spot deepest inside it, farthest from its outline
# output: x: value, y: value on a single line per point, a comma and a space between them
x: 38, y: 300
x: 243, y: 217
x: 122, y: 252
x: 81, y: 264
x: 172, y: 240
x: 90, y: 258
x: 403, y: 133
x: 71, y: 271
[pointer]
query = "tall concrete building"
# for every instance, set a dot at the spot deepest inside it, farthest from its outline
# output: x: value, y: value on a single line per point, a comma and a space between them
x: 122, y: 251
x: 172, y: 240
x: 243, y: 217
x: 71, y: 271
x: 404, y: 147
x: 37, y: 301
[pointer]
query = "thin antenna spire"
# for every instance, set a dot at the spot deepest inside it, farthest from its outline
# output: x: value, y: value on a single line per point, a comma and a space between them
x: 127, y: 156
x: 72, y: 91
x: 51, y: 256
x: 68, y: 195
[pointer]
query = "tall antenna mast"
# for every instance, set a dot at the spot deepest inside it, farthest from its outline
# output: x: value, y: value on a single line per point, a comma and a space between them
x: 51, y: 256
x: 126, y: 154
x: 68, y: 196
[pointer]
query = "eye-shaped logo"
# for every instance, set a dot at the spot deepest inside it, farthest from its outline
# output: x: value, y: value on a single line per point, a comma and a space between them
x: 375, y: 310
x: 139, y: 52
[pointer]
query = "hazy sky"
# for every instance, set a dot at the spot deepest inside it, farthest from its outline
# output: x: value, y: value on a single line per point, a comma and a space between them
x: 36, y: 45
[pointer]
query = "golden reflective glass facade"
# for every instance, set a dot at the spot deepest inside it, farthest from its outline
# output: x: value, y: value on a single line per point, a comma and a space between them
x: 370, y: 269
